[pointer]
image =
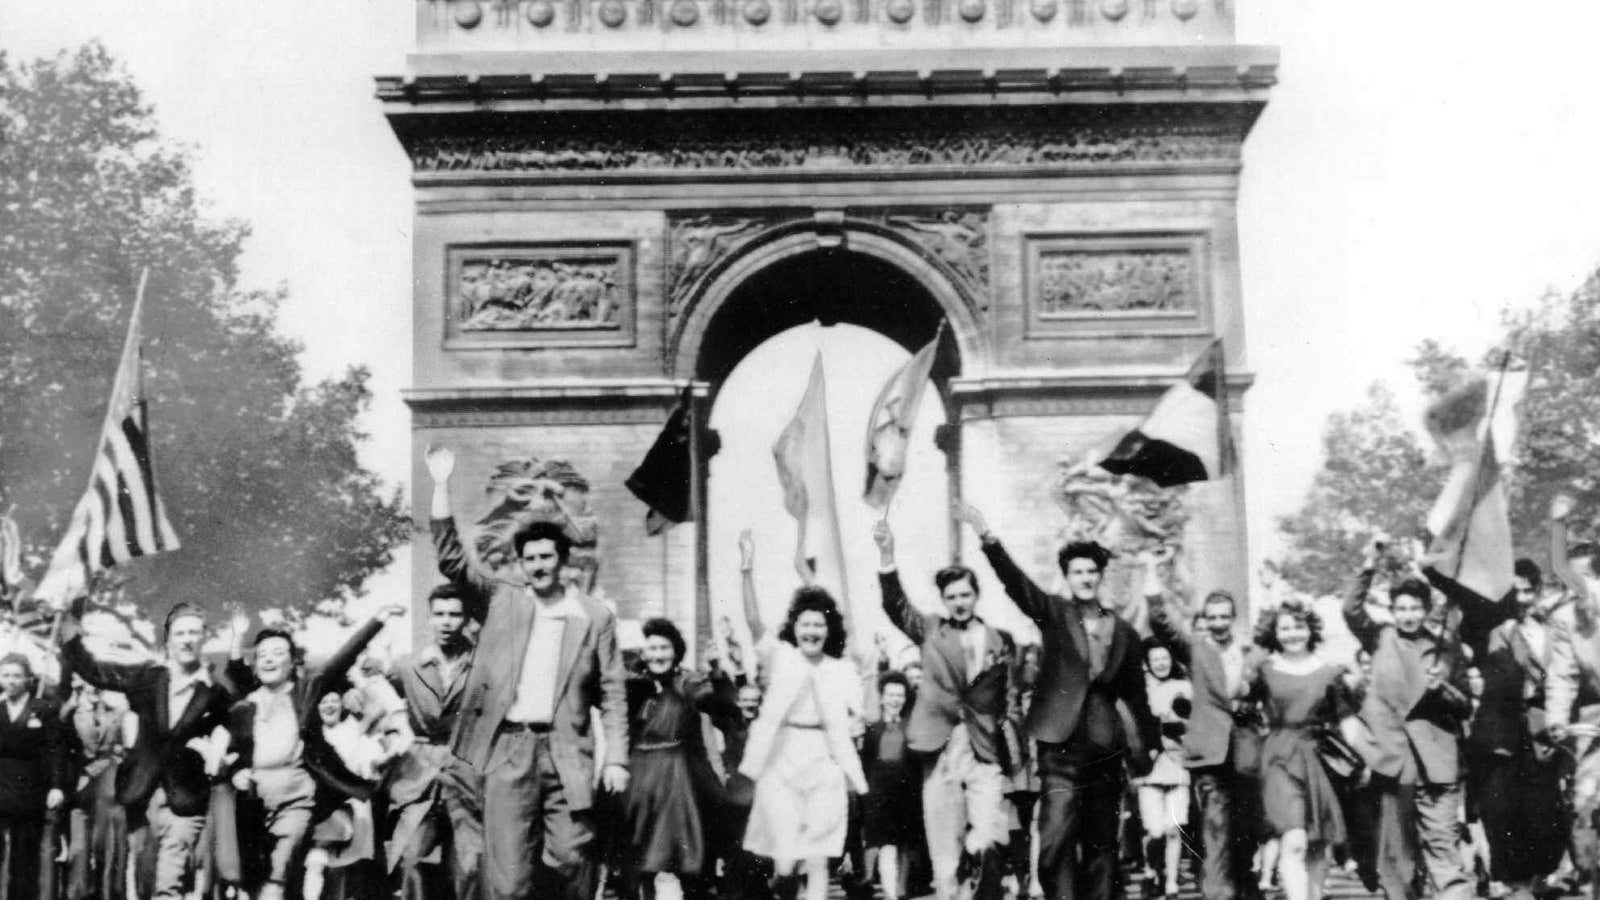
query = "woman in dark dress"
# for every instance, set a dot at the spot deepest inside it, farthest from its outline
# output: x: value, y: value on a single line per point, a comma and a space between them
x: 891, y: 810
x: 673, y: 791
x: 1301, y: 696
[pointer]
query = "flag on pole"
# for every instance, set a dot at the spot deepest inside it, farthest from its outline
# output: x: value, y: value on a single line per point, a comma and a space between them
x: 889, y: 427
x: 663, y: 480
x: 805, y: 469
x: 121, y: 515
x: 10, y: 556
x: 1187, y: 437
x: 1475, y: 427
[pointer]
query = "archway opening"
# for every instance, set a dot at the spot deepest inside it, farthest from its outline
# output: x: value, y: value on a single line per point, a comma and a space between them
x: 865, y: 317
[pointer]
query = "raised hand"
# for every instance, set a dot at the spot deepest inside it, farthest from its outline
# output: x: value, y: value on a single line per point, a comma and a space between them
x: 441, y: 462
x: 1374, y: 551
x: 969, y: 514
x: 392, y: 611
x: 1561, y: 506
x: 747, y: 549
x: 884, y: 538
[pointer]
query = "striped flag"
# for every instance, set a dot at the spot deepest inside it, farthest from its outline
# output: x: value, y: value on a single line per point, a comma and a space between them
x: 121, y: 515
x: 1187, y: 437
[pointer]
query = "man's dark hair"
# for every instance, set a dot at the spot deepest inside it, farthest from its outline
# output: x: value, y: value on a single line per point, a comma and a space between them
x: 659, y: 627
x: 1100, y: 556
x: 1527, y: 568
x: 447, y: 591
x: 1414, y: 587
x: 811, y: 598
x: 543, y: 531
x: 180, y: 611
x: 951, y: 574
x: 1584, y: 550
x: 1220, y: 597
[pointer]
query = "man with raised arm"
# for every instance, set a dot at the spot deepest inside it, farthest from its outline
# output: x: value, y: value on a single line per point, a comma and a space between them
x: 955, y: 723
x: 1090, y: 716
x: 1222, y: 747
x: 547, y: 655
x: 164, y: 783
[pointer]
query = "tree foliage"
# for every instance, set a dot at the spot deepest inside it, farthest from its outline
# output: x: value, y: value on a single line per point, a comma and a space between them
x: 258, y: 468
x: 1377, y: 476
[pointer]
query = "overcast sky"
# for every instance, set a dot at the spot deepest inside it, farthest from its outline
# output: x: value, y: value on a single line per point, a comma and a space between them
x: 1420, y: 167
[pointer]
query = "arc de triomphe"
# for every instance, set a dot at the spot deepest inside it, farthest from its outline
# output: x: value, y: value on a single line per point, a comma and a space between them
x: 608, y: 192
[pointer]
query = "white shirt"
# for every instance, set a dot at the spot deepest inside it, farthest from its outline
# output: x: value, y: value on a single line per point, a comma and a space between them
x: 1232, y: 664
x: 180, y: 688
x: 14, y: 711
x: 973, y: 641
x: 277, y: 727
x: 535, y: 700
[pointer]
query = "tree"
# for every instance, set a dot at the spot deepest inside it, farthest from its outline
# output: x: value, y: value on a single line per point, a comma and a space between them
x: 1375, y: 479
x: 258, y: 468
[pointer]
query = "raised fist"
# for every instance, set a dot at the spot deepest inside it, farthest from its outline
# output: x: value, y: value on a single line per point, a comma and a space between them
x: 441, y: 462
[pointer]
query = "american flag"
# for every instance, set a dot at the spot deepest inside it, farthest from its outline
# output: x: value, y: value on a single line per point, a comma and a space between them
x: 121, y: 515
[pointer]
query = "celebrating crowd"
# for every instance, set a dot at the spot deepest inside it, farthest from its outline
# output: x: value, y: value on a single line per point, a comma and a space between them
x: 522, y: 753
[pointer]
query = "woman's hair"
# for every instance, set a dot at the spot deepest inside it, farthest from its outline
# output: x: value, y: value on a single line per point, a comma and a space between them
x: 811, y: 598
x: 899, y: 678
x: 659, y: 627
x: 1149, y: 644
x: 20, y: 661
x: 1300, y: 611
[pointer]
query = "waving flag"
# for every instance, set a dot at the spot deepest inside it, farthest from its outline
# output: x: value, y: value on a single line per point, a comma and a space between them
x: 889, y: 428
x: 1475, y: 427
x: 664, y: 478
x: 121, y: 515
x: 1187, y: 437
x: 10, y: 555
x: 805, y: 468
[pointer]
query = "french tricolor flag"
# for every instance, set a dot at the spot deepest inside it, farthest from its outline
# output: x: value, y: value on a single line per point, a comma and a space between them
x: 1187, y: 437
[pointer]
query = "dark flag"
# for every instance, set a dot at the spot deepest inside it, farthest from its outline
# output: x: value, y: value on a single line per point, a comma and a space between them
x: 1187, y: 437
x: 663, y: 480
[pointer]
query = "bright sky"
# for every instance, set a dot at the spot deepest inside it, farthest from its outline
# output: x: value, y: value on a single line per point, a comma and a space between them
x: 1420, y: 167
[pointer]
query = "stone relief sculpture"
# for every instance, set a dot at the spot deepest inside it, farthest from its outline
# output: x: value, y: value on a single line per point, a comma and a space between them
x: 1077, y: 281
x: 508, y: 293
x: 695, y: 244
x: 533, y: 490
x: 1131, y: 517
x: 959, y: 238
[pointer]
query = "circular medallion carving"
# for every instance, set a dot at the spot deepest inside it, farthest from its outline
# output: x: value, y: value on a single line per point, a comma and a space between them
x: 685, y: 13
x: 829, y: 12
x: 757, y: 12
x: 1043, y: 10
x: 613, y: 13
x: 900, y: 11
x: 1185, y: 9
x: 971, y: 10
x: 1114, y: 9
x: 541, y: 13
x: 469, y: 14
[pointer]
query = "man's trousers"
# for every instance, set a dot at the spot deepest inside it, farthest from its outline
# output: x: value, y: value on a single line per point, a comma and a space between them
x: 963, y: 811
x: 1229, y: 810
x: 1080, y: 815
x: 1418, y: 823
x: 535, y: 843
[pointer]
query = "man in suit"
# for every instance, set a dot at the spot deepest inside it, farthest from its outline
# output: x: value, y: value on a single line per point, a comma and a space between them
x: 1416, y: 716
x: 432, y: 814
x: 547, y: 657
x: 955, y: 724
x: 180, y: 737
x: 1222, y: 747
x: 1089, y: 717
x: 281, y: 759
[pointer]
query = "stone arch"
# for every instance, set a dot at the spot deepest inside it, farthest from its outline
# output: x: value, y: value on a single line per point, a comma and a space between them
x: 685, y: 341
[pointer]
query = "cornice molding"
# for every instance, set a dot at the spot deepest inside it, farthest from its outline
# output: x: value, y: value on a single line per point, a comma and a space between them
x: 1023, y: 395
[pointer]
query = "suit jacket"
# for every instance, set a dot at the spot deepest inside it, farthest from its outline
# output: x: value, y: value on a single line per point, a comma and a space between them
x: 949, y: 694
x: 159, y: 757
x: 1513, y: 669
x: 432, y: 702
x: 1573, y: 680
x: 1215, y: 736
x: 1063, y: 689
x: 590, y: 673
x: 1407, y: 719
x: 34, y: 758
x: 335, y: 781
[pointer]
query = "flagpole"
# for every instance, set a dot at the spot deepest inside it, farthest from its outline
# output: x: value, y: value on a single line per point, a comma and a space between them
x: 1477, y: 483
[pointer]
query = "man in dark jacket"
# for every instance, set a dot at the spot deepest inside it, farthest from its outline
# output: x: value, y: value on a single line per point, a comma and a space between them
x: 1090, y: 716
x: 165, y: 779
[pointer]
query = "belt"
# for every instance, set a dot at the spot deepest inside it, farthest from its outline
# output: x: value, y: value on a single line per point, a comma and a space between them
x: 531, y: 727
x: 658, y: 745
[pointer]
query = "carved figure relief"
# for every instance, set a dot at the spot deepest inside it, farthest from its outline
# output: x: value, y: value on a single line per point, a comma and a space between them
x: 518, y: 294
x: 534, y: 490
x: 695, y: 244
x: 1160, y: 280
x: 959, y: 238
x: 1131, y: 517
